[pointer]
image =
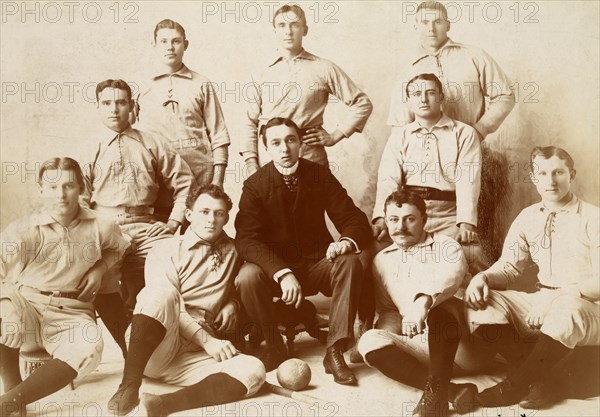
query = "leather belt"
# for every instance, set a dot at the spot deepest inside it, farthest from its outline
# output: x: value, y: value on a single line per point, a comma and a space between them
x: 140, y: 210
x: 429, y: 193
x: 61, y: 294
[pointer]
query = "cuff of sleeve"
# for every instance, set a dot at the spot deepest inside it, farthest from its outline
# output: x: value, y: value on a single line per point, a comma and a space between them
x: 347, y: 130
x: 221, y: 155
x: 356, y: 247
x: 189, y: 328
x: 277, y: 275
x: 249, y: 154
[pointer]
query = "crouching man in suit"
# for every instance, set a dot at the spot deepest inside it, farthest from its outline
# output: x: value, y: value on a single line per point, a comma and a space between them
x: 289, y: 253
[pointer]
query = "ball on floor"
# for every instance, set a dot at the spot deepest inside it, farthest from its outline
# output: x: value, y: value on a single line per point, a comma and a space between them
x: 294, y: 374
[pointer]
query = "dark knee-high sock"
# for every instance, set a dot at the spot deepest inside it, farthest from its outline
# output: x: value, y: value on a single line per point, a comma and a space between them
x: 113, y: 312
x: 146, y: 334
x: 504, y: 339
x: 47, y: 379
x: 444, y: 336
x: 545, y: 354
x: 398, y: 365
x: 9, y: 367
x: 215, y: 389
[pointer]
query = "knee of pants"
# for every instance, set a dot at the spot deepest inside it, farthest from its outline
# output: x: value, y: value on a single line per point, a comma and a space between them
x: 567, y: 309
x: 247, y: 369
x: 351, y: 263
x: 250, y: 276
x: 161, y: 304
x: 373, y: 339
x: 83, y: 356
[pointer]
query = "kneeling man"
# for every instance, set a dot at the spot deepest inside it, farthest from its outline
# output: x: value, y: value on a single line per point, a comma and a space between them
x: 182, y: 314
x: 289, y: 253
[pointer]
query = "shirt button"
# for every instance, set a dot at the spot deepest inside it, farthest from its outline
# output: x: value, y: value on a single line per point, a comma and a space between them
x: 60, y: 307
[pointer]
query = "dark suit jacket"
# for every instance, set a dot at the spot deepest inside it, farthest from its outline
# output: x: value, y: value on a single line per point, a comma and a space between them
x: 275, y: 236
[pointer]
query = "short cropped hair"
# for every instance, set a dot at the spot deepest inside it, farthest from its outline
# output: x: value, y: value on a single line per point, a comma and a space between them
x: 294, y: 8
x: 119, y: 84
x: 426, y: 77
x: 278, y: 121
x: 400, y: 197
x: 432, y: 5
x: 63, y: 164
x: 547, y: 152
x: 212, y: 190
x: 169, y: 24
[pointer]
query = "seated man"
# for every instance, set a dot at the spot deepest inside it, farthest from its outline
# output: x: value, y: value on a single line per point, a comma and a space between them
x: 124, y: 169
x: 187, y: 304
x: 560, y: 235
x: 51, y: 269
x: 415, y: 280
x: 289, y: 253
x: 440, y: 159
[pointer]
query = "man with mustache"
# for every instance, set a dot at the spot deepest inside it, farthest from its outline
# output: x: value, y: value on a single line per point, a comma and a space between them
x: 415, y: 280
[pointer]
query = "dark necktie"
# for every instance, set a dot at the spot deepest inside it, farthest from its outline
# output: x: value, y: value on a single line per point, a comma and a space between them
x: 291, y: 182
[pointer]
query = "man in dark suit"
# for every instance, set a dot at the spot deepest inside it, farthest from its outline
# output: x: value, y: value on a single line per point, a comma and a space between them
x: 289, y: 253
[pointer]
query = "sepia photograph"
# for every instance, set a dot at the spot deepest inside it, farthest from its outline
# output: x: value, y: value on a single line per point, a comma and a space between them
x: 314, y: 208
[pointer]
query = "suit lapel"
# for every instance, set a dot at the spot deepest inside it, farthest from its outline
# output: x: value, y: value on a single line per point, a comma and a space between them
x: 304, y: 185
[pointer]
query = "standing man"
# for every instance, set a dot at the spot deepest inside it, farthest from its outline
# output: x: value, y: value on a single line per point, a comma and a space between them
x: 415, y: 280
x: 439, y: 159
x: 181, y: 107
x: 296, y: 85
x: 183, y: 312
x: 561, y: 236
x: 51, y: 268
x: 289, y: 253
x: 124, y: 171
x: 477, y: 92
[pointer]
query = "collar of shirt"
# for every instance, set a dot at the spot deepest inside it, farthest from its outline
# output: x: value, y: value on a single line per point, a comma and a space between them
x: 427, y: 242
x: 130, y: 132
x: 303, y: 54
x: 421, y: 52
x: 43, y: 218
x: 444, y: 121
x: 572, y: 206
x: 287, y: 171
x: 183, y: 72
x: 191, y: 239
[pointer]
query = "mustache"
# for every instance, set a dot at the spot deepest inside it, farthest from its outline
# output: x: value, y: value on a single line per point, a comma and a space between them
x: 402, y: 233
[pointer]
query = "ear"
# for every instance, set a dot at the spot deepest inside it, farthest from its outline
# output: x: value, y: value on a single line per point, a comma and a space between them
x: 573, y: 174
x: 449, y: 25
x: 186, y: 43
x: 188, y: 214
x: 305, y: 30
x: 532, y: 176
x: 226, y: 219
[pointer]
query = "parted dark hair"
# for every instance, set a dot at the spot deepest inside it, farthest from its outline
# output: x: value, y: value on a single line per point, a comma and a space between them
x: 277, y: 121
x: 432, y: 5
x: 294, y: 8
x: 63, y: 164
x: 400, y: 197
x: 119, y: 84
x: 169, y: 24
x: 212, y: 190
x: 547, y: 152
x: 426, y: 77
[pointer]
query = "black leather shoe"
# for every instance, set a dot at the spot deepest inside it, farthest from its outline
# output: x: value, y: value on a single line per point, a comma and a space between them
x: 125, y: 399
x: 273, y: 356
x: 463, y: 397
x: 540, y: 397
x: 501, y: 395
x: 434, y: 401
x: 335, y: 364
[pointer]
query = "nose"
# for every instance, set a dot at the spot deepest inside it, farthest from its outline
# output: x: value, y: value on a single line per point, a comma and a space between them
x: 423, y: 97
